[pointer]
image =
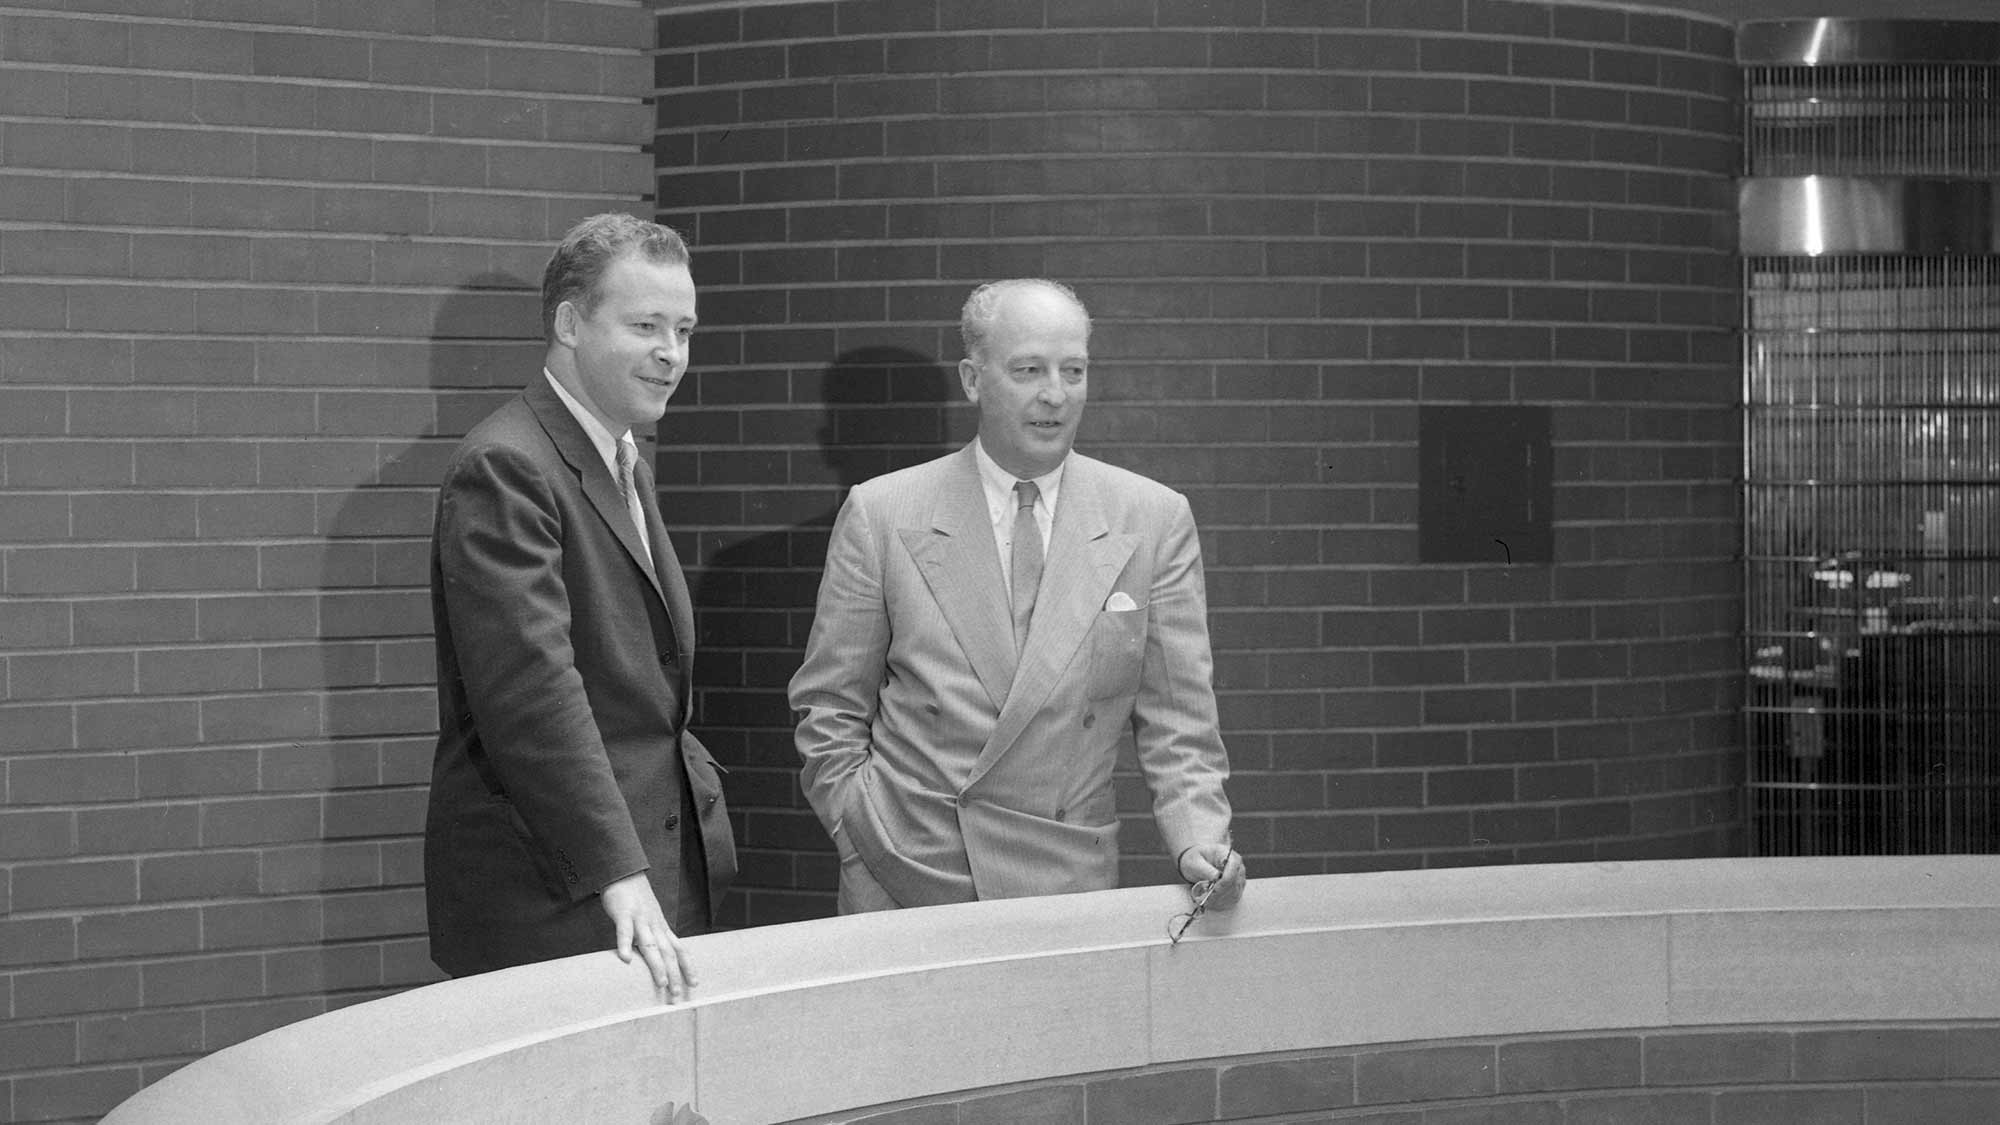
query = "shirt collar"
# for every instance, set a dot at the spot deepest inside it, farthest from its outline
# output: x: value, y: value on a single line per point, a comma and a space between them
x: 998, y: 484
x: 607, y: 445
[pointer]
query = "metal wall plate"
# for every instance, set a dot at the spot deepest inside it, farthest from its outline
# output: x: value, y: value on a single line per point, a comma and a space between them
x: 1820, y: 42
x: 1815, y: 215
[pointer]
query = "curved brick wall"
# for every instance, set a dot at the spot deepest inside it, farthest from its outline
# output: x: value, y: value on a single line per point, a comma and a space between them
x: 1292, y: 235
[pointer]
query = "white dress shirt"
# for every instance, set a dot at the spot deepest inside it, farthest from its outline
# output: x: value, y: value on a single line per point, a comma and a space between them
x: 606, y: 445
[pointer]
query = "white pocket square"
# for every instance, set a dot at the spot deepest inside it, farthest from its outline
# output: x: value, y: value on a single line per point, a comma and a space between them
x: 1120, y: 602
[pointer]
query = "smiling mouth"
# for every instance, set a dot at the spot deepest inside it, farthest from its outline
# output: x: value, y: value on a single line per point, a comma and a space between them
x: 656, y: 382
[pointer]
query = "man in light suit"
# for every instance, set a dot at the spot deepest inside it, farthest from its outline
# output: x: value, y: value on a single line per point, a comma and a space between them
x: 570, y: 808
x: 989, y: 626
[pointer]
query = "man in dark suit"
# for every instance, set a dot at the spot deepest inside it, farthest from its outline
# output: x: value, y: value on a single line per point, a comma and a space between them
x: 571, y: 810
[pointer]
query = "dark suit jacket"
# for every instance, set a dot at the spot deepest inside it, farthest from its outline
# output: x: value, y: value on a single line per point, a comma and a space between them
x: 563, y: 760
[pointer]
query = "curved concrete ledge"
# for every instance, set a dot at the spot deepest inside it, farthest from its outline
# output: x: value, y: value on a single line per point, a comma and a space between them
x: 823, y: 1016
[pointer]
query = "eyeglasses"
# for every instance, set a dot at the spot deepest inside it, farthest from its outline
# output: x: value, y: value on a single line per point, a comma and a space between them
x: 1179, y: 923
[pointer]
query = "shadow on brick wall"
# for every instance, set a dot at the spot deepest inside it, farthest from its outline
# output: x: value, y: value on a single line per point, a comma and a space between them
x: 882, y: 408
x: 375, y: 649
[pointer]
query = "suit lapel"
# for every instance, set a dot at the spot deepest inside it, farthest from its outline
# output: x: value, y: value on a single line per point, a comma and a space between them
x: 670, y: 579
x: 960, y: 563
x: 599, y: 486
x: 1085, y: 559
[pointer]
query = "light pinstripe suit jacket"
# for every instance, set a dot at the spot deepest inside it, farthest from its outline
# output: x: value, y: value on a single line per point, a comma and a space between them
x: 957, y: 771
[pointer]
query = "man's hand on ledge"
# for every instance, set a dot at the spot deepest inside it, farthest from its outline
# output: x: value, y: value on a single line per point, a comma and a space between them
x: 1210, y: 861
x: 642, y: 927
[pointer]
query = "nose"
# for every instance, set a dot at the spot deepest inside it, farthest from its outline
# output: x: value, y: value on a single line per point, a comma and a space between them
x: 1053, y: 392
x: 672, y: 352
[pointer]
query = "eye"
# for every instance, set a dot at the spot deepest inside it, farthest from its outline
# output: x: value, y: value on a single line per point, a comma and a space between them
x: 643, y: 325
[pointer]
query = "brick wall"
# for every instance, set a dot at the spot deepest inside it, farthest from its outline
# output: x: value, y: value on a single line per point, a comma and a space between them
x: 259, y: 261
x: 1295, y: 223
x: 1861, y: 1074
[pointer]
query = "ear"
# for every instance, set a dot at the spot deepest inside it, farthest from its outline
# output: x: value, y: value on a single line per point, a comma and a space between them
x: 968, y: 377
x: 567, y: 318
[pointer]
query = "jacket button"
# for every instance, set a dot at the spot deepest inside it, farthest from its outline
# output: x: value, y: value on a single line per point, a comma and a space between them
x: 711, y: 800
x: 673, y: 821
x: 667, y: 658
x: 1090, y: 718
x: 964, y: 801
x: 1060, y: 813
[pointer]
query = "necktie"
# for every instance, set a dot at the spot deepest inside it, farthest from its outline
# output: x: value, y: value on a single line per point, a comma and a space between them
x: 628, y: 457
x: 1026, y: 561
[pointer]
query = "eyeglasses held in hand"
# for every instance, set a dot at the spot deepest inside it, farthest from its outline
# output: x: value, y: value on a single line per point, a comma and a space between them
x: 1179, y: 923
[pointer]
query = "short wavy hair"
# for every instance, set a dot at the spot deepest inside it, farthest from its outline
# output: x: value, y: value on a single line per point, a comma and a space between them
x: 589, y: 248
x: 975, y: 321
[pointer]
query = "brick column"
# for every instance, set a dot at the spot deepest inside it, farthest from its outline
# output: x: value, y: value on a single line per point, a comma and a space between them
x: 1293, y: 233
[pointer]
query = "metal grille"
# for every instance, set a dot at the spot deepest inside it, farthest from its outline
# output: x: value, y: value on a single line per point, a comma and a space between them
x: 1872, y: 483
x: 1899, y: 119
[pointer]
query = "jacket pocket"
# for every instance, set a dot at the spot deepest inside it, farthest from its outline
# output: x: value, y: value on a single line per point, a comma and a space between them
x: 1117, y: 652
x: 499, y: 856
x: 718, y: 839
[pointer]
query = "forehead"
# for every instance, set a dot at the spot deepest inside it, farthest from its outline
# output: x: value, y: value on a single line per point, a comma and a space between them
x: 634, y: 281
x: 1039, y: 318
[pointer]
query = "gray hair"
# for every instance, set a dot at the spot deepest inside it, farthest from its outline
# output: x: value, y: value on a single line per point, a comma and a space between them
x: 589, y: 248
x: 975, y: 322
